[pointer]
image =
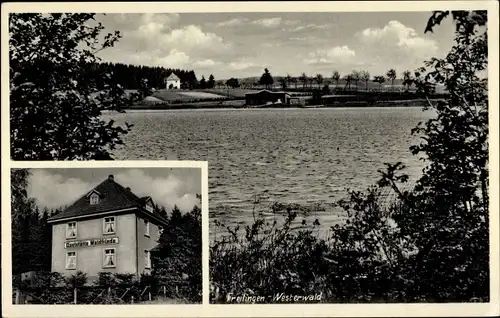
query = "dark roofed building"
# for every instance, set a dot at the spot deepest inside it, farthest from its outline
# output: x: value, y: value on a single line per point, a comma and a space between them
x: 264, y: 97
x: 107, y: 229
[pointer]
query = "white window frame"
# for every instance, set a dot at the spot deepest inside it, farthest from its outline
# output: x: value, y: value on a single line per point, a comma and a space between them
x: 104, y: 257
x: 146, y: 225
x: 104, y: 225
x: 67, y: 230
x: 67, y: 259
x: 149, y: 207
x: 94, y: 198
x: 147, y: 259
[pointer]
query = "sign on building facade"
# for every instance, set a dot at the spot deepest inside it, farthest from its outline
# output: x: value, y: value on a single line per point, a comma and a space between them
x: 92, y: 242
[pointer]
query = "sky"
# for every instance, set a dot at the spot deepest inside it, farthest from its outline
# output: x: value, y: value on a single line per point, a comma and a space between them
x: 243, y: 44
x: 54, y: 188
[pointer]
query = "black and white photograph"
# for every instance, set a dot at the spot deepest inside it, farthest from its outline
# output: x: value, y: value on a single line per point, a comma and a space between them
x: 352, y: 154
x: 106, y: 236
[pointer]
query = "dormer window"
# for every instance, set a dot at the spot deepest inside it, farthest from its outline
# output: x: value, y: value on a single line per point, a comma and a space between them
x: 94, y: 198
x: 149, y: 207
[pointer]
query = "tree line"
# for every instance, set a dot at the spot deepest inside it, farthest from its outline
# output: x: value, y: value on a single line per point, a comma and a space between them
x: 350, y: 80
x: 354, y: 77
x: 129, y: 76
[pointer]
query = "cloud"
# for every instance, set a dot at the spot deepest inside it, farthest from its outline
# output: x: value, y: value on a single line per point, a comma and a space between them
x: 397, y: 35
x: 268, y: 23
x: 233, y: 22
x: 191, y: 37
x: 60, y: 192
x: 334, y: 54
x: 308, y: 27
x: 175, y: 58
x: 166, y: 191
x: 291, y: 22
x: 240, y: 66
x: 157, y: 39
x: 132, y: 21
x: 205, y: 63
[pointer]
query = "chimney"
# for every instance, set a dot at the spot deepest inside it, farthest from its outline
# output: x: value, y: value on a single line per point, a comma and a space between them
x: 111, y: 177
x: 128, y: 188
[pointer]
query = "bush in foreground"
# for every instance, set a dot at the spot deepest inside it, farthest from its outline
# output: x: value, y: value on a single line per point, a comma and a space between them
x: 430, y: 245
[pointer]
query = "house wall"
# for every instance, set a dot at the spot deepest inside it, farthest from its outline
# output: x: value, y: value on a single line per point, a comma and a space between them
x: 176, y: 84
x: 90, y: 258
x: 144, y: 242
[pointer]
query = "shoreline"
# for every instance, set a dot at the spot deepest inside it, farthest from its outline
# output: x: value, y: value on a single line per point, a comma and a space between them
x: 353, y: 104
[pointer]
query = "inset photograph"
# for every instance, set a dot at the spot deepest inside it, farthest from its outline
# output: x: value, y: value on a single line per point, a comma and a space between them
x: 106, y: 236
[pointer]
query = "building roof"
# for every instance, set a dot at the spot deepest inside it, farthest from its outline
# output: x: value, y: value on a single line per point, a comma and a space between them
x: 113, y: 196
x: 265, y: 91
x: 173, y: 77
x: 157, y: 248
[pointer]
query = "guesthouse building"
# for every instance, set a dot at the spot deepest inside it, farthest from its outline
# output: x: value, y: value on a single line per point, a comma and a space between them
x: 172, y: 82
x: 108, y: 229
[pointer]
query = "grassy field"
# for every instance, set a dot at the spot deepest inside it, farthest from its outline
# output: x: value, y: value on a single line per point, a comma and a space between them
x: 233, y: 92
x: 185, y: 95
x: 193, y: 105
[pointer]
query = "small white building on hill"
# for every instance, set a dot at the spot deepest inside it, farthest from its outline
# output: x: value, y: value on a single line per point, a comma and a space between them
x: 172, y: 82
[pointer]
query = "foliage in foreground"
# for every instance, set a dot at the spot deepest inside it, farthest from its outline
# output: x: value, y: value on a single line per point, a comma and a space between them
x: 55, y: 102
x: 108, y: 288
x: 430, y: 245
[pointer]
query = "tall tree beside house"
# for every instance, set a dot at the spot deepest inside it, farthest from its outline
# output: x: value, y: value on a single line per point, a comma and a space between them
x: 365, y: 77
x: 178, y: 259
x: 211, y: 81
x: 380, y: 79
x: 266, y: 79
x: 191, y: 80
x: 21, y: 207
x: 336, y: 78
x: 391, y: 75
x: 49, y: 58
x: 31, y: 234
x: 203, y: 82
x: 160, y: 210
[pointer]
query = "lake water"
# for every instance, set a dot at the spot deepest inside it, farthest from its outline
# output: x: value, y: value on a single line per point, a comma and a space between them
x: 304, y: 156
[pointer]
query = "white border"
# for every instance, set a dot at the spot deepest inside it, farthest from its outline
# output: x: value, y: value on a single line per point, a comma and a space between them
x: 207, y: 310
